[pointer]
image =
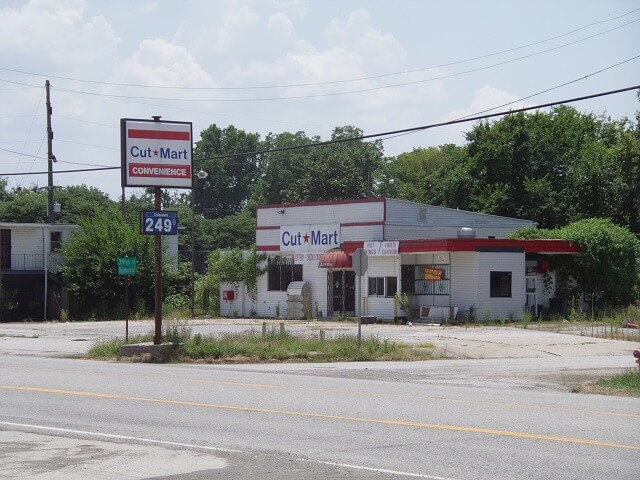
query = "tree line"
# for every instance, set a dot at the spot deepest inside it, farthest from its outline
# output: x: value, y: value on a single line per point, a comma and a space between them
x: 551, y: 167
x: 555, y: 168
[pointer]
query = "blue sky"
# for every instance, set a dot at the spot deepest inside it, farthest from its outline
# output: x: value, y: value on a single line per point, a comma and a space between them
x: 377, y: 65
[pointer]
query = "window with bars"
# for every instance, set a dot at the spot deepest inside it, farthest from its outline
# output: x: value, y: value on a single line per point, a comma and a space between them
x: 500, y: 284
x: 430, y: 279
x: 281, y: 271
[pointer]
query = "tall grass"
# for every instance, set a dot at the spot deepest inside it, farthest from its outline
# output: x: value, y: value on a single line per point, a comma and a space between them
x: 628, y: 381
x: 273, y: 345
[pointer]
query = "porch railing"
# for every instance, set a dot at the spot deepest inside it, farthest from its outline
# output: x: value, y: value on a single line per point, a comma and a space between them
x: 31, y: 261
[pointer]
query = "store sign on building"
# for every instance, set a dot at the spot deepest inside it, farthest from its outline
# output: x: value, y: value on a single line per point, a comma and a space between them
x: 308, y: 242
x: 381, y: 249
x: 432, y: 274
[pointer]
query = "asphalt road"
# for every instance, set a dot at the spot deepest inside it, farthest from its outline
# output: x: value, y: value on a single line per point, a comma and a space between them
x: 485, y: 417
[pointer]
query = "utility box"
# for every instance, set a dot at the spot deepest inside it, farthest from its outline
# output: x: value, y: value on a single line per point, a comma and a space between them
x: 298, y: 300
x: 228, y: 295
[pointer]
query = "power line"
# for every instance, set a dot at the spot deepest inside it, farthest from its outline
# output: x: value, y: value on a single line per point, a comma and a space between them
x: 374, y: 135
x: 335, y: 82
x: 330, y: 94
x: 583, y: 77
x: 61, y: 171
x: 432, y: 125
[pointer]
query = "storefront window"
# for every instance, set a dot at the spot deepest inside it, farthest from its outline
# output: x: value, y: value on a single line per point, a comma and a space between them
x: 383, y: 286
x: 281, y: 272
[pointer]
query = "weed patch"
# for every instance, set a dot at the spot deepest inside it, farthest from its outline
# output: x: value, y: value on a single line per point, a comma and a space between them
x: 273, y: 345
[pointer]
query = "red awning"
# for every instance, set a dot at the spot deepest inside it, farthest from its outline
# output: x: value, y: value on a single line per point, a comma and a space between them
x: 334, y: 259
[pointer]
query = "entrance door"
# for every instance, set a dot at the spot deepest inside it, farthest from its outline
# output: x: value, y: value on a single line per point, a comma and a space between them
x: 5, y: 249
x: 342, y: 293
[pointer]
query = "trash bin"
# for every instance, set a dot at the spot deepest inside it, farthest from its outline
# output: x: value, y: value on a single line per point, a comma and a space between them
x: 298, y: 300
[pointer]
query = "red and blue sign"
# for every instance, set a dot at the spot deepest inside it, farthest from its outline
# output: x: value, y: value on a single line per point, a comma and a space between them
x: 156, y: 153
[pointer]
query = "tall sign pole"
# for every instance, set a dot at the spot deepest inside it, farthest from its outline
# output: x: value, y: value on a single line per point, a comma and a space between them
x: 157, y: 154
x: 157, y: 338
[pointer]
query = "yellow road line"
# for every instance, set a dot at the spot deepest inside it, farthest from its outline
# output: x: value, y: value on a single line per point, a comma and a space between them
x: 409, y: 396
x: 377, y: 394
x: 403, y: 423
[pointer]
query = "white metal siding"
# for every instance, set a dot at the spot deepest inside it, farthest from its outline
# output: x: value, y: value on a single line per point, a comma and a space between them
x: 365, y: 233
x: 27, y: 241
x: 501, y: 308
x: 269, y: 300
x: 381, y: 307
x: 423, y: 232
x: 400, y: 212
x: 235, y: 307
x: 321, y: 214
x: 317, y: 278
x: 464, y: 281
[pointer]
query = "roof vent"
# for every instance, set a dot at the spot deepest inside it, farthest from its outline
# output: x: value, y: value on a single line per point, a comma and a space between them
x: 466, y: 232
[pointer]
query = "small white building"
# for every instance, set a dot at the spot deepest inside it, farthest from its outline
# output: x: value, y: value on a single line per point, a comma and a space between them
x: 447, y: 261
x: 30, y: 260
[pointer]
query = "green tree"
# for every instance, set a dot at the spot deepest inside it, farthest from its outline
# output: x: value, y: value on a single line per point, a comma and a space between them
x: 339, y: 171
x: 545, y: 166
x: 90, y: 270
x: 82, y: 201
x: 280, y: 171
x: 224, y: 155
x: 24, y: 206
x: 232, y: 231
x: 607, y: 266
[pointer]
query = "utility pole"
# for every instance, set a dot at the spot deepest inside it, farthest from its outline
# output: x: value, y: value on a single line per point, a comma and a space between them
x: 50, y: 158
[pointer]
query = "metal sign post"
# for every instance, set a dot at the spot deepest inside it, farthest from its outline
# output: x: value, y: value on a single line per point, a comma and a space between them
x: 126, y: 266
x: 360, y: 263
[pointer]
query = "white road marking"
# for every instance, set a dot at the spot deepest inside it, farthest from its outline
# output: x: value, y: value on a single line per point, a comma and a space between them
x: 379, y: 470
x: 120, y: 437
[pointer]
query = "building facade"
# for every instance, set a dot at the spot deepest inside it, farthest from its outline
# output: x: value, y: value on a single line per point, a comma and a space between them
x: 30, y: 262
x: 448, y: 262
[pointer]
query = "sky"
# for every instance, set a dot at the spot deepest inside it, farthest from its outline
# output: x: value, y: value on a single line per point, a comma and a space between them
x: 272, y: 66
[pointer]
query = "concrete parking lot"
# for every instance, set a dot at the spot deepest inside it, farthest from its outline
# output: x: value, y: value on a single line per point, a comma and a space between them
x: 476, y: 342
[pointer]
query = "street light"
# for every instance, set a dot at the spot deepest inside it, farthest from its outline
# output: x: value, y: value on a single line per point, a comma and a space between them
x: 201, y: 175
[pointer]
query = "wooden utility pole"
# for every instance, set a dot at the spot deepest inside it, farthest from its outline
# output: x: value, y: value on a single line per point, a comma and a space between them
x: 50, y: 158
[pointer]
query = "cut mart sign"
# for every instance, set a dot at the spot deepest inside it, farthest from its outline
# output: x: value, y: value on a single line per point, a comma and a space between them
x: 308, y: 242
x: 156, y: 153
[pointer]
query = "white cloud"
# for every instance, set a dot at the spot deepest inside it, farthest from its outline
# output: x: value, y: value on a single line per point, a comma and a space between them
x: 486, y: 98
x: 158, y: 62
x: 56, y: 31
x: 356, y: 32
x: 236, y: 26
x: 280, y: 24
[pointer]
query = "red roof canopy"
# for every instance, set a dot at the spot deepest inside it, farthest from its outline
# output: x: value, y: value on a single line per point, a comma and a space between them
x: 477, y: 244
x: 334, y: 259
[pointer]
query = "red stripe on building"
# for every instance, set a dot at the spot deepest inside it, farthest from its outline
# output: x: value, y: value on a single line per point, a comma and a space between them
x: 268, y: 248
x: 159, y: 134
